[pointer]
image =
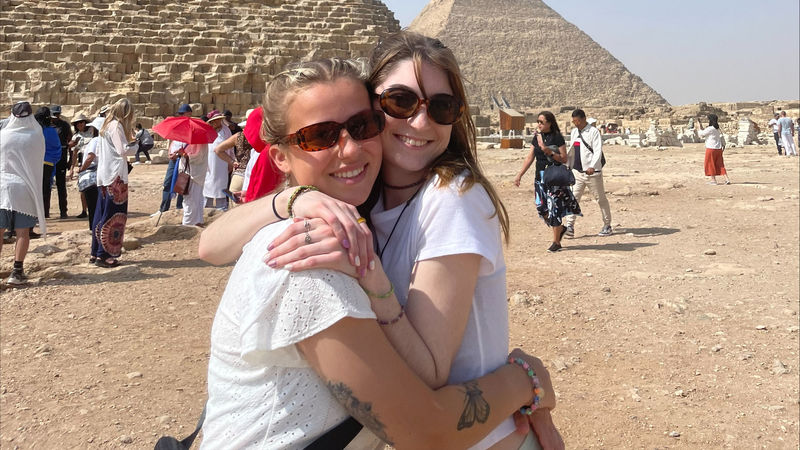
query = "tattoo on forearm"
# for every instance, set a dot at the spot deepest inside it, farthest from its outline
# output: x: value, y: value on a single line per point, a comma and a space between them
x: 361, y: 411
x: 475, y: 406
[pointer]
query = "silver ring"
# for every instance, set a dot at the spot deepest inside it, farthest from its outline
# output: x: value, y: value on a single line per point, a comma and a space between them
x: 307, y: 225
x: 308, y: 238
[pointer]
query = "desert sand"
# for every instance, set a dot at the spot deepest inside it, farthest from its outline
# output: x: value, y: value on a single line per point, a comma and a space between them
x: 679, y: 331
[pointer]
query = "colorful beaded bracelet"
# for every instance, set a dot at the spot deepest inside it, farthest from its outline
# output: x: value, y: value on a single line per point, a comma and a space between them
x: 381, y: 296
x: 297, y: 192
x: 395, y: 320
x: 537, y: 388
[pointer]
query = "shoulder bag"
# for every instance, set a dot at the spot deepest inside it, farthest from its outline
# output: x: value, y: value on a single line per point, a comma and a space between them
x: 183, y: 180
x: 555, y: 174
x: 591, y: 150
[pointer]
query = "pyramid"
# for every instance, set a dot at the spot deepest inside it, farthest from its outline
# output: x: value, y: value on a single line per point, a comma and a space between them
x: 525, y: 52
x: 83, y: 54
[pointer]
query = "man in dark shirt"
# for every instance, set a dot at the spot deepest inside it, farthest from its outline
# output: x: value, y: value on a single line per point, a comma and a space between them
x: 64, y: 135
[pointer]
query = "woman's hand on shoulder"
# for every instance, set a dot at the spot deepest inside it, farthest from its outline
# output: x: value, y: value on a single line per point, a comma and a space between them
x: 344, y: 221
x: 309, y: 244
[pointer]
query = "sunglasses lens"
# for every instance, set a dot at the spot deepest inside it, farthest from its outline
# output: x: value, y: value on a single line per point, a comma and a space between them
x: 319, y: 136
x: 445, y: 109
x: 399, y: 103
x: 365, y: 125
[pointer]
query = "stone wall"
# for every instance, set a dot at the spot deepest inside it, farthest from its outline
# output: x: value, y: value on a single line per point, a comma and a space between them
x: 214, y: 55
x: 527, y: 52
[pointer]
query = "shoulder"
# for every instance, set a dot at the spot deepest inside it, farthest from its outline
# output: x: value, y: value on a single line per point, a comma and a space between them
x: 454, y: 199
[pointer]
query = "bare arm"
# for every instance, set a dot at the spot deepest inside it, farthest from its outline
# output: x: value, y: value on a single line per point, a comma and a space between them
x: 87, y: 161
x: 224, y: 238
x: 525, y: 166
x: 429, y: 334
x: 367, y: 376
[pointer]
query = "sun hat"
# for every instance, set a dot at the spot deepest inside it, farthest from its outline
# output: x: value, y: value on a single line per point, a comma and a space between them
x: 80, y: 118
x: 55, y: 109
x: 104, y: 109
x: 591, y: 120
x: 97, y: 123
x: 246, y: 115
x: 21, y: 109
x: 215, y: 116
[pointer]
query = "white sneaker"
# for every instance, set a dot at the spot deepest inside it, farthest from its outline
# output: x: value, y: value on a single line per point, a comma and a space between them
x: 148, y: 162
x: 157, y: 213
x: 135, y: 163
x: 17, y: 279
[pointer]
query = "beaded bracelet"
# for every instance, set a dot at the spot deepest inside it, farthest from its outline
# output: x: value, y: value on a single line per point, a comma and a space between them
x: 395, y: 320
x: 297, y: 192
x: 537, y: 388
x: 381, y: 296
x: 275, y: 210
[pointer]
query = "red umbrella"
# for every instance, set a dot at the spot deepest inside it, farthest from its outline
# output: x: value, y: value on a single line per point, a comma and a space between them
x: 186, y: 129
x: 252, y: 130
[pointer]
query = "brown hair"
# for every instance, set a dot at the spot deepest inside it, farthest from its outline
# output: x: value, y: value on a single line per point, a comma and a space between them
x: 121, y: 111
x: 461, y: 152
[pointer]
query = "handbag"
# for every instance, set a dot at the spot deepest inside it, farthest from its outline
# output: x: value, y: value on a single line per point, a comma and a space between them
x: 558, y: 175
x: 182, y: 181
x: 87, y: 178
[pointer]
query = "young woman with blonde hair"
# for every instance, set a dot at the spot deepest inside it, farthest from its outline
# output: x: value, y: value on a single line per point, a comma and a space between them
x: 116, y: 141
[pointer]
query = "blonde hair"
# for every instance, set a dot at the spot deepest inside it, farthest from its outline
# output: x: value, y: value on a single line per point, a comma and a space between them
x: 461, y: 153
x: 298, y: 77
x: 121, y: 111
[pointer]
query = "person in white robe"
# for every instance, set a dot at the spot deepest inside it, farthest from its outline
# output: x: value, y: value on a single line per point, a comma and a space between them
x: 217, y: 177
x: 21, y: 203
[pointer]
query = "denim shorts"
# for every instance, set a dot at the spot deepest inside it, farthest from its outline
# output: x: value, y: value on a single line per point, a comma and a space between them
x: 11, y: 220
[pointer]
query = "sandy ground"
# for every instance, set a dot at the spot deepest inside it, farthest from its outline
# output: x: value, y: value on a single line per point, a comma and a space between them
x: 679, y: 331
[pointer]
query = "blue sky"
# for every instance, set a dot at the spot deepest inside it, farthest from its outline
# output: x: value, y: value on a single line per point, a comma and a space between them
x: 690, y: 50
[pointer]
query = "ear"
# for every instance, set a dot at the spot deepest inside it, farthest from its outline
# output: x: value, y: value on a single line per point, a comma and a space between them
x: 281, y: 159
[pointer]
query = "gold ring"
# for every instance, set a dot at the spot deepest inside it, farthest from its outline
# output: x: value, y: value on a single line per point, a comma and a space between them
x: 361, y: 220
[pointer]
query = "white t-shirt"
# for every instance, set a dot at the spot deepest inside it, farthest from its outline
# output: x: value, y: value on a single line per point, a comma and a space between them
x: 261, y: 392
x: 774, y: 123
x: 440, y: 222
x: 712, y: 136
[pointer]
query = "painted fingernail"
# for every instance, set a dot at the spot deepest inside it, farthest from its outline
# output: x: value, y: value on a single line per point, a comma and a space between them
x: 273, y: 263
x: 372, y: 265
x: 363, y: 271
x: 345, y: 243
x: 270, y: 246
x: 358, y: 261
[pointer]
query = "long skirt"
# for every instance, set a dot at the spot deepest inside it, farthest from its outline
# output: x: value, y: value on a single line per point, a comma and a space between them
x: 713, y: 164
x: 110, y: 216
x: 555, y: 202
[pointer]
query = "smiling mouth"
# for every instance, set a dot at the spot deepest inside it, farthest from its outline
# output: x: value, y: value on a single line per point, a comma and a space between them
x: 350, y: 173
x: 412, y: 142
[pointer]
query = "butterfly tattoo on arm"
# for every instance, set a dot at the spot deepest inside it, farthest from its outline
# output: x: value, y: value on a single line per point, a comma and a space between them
x: 475, y: 406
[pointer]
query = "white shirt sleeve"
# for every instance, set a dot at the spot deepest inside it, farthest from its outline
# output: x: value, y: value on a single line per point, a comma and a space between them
x: 455, y: 223
x: 305, y: 303
x: 597, y: 145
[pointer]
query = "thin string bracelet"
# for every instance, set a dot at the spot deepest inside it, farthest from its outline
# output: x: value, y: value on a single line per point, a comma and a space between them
x: 537, y: 388
x: 395, y: 320
x: 275, y: 210
x: 381, y: 296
